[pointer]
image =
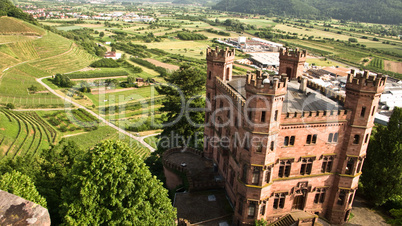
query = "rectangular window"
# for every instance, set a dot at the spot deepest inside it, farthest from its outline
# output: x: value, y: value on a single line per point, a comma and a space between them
x: 366, y: 139
x: 228, y: 114
x: 311, y: 139
x: 314, y: 140
x: 256, y: 176
x: 210, y: 75
x: 208, y: 96
x: 292, y: 140
x: 279, y: 200
x: 272, y: 146
x: 319, y: 195
x: 341, y: 197
x: 350, y: 166
x: 308, y: 141
x: 326, y: 166
x: 363, y: 112
x: 251, y: 210
x: 262, y: 210
x: 268, y: 175
x: 276, y: 116
x: 356, y: 139
x: 259, y: 147
x: 336, y: 137
x: 236, y: 123
x: 263, y: 116
x: 330, y: 136
x: 221, y: 104
x: 284, y: 168
x: 250, y: 115
x: 286, y: 141
x: 373, y: 112
x: 306, y: 166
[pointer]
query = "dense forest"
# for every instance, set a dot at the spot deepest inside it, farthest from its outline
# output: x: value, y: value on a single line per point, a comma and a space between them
x: 385, y: 11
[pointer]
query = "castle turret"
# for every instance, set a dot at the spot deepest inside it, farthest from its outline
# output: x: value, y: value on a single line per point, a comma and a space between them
x: 291, y: 62
x: 363, y: 92
x: 219, y: 64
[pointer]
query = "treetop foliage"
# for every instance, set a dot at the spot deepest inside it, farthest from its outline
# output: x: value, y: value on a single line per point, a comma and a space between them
x: 178, y: 104
x: 7, y: 8
x: 21, y: 185
x: 111, y: 185
x: 382, y: 170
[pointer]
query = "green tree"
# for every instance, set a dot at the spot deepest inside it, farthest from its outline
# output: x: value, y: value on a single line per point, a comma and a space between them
x: 130, y: 80
x: 382, y: 171
x: 101, y: 34
x: 33, y: 88
x: 110, y: 185
x: 10, y: 106
x: 185, y: 95
x: 21, y: 185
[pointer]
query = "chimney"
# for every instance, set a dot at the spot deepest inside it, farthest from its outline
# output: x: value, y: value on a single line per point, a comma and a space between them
x: 303, y: 85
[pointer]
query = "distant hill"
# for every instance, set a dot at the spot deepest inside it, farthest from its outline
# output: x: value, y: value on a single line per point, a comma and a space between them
x: 9, y: 25
x: 375, y: 11
x: 7, y: 8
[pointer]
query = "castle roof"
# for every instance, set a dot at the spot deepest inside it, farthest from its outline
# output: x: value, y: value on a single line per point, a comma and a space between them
x: 295, y: 100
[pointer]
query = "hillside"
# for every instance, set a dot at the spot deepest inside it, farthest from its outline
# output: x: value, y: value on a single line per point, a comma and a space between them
x: 23, y: 60
x: 10, y: 25
x: 386, y: 11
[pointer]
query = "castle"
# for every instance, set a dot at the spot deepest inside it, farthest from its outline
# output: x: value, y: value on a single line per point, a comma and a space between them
x: 281, y: 146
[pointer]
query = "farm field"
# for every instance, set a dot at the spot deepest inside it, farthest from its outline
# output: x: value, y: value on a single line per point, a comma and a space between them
x: 24, y: 134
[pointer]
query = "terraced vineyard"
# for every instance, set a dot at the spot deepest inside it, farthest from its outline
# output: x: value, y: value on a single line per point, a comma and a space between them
x: 76, y: 58
x: 134, y: 145
x: 377, y: 63
x: 24, y: 50
x: 24, y: 134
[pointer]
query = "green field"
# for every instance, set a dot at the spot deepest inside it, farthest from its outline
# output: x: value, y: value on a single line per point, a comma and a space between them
x: 24, y: 134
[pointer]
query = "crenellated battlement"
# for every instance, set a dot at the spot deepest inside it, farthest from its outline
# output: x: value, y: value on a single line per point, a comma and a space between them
x: 258, y: 83
x: 365, y: 82
x: 294, y: 55
x: 222, y: 55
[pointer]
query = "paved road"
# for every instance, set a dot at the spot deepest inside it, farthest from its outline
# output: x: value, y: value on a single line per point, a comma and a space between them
x: 139, y: 139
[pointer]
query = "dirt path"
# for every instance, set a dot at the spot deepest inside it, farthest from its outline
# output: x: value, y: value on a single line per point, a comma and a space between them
x: 66, y: 99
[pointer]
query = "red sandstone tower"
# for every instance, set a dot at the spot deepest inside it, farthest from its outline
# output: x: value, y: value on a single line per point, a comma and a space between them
x: 284, y: 150
x: 292, y: 62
